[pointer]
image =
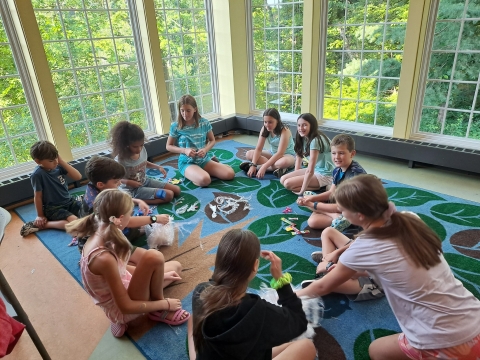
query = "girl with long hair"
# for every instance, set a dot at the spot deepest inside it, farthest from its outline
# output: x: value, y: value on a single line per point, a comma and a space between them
x: 229, y: 323
x: 281, y: 156
x: 123, y: 296
x: 404, y: 256
x: 313, y: 147
x: 192, y: 137
x: 127, y: 141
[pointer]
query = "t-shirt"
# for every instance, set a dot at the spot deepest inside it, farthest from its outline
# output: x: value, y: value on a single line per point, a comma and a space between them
x: 52, y: 184
x: 191, y: 137
x: 91, y: 193
x: 353, y: 170
x: 135, y: 169
x: 433, y: 308
x: 324, y: 165
x: 274, y: 141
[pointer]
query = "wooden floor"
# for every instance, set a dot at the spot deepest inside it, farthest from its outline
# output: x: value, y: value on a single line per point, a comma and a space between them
x: 72, y: 327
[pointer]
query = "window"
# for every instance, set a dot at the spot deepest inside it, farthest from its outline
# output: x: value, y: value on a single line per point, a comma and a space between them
x: 90, y: 49
x: 364, y: 50
x: 187, y: 52
x: 277, y: 41
x: 451, y: 103
x: 17, y: 128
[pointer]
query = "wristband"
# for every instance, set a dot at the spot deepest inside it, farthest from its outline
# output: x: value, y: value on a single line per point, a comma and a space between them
x: 252, y: 164
x: 281, y: 282
x: 315, y: 205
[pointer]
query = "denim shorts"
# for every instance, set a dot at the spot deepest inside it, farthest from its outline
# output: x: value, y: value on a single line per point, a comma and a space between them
x: 147, y: 190
x: 62, y: 212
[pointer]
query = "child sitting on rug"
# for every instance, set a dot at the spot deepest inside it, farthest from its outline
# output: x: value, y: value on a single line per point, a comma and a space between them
x: 105, y: 173
x: 192, y: 137
x: 127, y: 141
x: 54, y: 204
x: 312, y: 146
x: 326, y: 214
x: 229, y: 323
x: 281, y: 156
x: 121, y: 295
x: 434, y: 310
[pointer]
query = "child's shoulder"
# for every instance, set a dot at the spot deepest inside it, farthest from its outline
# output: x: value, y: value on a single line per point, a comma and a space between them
x: 356, y: 168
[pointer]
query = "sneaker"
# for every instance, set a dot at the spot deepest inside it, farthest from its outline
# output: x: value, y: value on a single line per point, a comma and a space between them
x: 279, y: 172
x: 5, y: 218
x: 245, y: 166
x: 28, y: 228
x: 317, y: 256
x: 118, y: 329
x: 340, y: 223
x: 306, y: 283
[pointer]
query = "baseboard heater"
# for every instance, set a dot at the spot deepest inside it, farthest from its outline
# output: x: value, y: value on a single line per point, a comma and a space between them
x: 19, y: 189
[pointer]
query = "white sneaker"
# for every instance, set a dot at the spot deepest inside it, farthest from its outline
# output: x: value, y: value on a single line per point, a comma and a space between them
x: 5, y: 218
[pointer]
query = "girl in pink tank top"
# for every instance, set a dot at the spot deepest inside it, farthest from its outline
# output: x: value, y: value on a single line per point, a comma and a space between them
x: 123, y: 296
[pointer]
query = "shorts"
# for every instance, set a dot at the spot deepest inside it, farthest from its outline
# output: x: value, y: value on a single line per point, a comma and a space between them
x: 467, y: 350
x: 147, y: 190
x: 370, y: 290
x: 183, y: 164
x: 62, y: 212
x: 323, y: 180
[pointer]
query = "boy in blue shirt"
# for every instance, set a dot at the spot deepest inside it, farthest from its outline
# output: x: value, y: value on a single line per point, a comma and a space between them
x: 54, y: 204
x: 325, y: 214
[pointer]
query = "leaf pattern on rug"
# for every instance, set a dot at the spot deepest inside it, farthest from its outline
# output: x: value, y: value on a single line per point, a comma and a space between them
x: 457, y: 213
x: 434, y: 225
x: 237, y: 185
x: 275, y: 195
x: 410, y: 197
x: 185, y: 199
x: 271, y: 229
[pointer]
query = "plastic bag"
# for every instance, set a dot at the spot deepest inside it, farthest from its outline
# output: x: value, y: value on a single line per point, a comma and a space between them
x: 160, y: 235
x: 313, y: 308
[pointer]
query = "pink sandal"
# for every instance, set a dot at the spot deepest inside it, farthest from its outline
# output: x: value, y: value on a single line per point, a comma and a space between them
x: 161, y: 316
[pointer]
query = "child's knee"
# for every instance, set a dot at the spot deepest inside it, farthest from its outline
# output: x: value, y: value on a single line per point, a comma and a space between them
x: 249, y: 154
x: 177, y: 266
x: 176, y: 190
x: 286, y: 182
x: 154, y: 258
x: 230, y: 174
x: 327, y: 233
x: 204, y: 180
x: 311, y: 222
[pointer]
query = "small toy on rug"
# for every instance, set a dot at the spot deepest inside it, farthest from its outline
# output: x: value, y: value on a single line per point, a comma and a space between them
x: 175, y: 181
x: 293, y: 228
x: 287, y: 210
x: 74, y: 241
x: 160, y: 235
x: 313, y: 308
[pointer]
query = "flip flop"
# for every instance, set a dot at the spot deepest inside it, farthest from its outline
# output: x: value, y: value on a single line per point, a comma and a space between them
x: 161, y: 316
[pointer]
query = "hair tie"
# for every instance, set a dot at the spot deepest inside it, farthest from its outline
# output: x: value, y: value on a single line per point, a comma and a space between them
x: 387, y: 214
x: 115, y: 221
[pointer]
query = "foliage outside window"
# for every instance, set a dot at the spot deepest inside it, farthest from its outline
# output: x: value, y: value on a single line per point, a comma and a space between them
x: 91, y: 53
x: 17, y: 129
x: 277, y: 31
x: 451, y: 104
x: 184, y: 41
x: 364, y: 51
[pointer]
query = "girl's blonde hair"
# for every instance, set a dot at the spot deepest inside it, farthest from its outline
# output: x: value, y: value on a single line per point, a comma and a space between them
x: 236, y: 255
x: 110, y: 202
x: 187, y: 100
x: 366, y: 195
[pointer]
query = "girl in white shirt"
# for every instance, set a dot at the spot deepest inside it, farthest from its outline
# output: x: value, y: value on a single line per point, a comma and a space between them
x: 438, y: 316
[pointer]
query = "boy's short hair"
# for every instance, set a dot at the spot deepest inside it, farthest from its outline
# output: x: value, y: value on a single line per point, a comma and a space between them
x: 344, y: 139
x: 102, y: 169
x: 43, y: 150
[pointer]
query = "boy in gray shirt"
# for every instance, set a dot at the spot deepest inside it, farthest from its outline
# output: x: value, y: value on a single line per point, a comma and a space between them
x: 54, y: 204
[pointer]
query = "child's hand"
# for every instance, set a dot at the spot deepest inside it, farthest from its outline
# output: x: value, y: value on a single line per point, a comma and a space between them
x: 163, y: 219
x: 275, y: 263
x: 332, y: 257
x: 261, y: 172
x: 201, y: 153
x: 190, y: 152
x: 134, y: 184
x: 171, y: 276
x: 252, y: 171
x: 143, y: 206
x: 162, y: 170
x: 40, y: 222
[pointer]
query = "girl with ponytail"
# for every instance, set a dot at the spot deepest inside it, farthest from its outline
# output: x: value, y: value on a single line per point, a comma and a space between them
x: 229, y: 323
x: 404, y: 256
x: 123, y: 296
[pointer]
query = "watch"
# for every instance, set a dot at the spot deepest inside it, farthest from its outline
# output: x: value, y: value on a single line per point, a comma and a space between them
x: 153, y: 219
